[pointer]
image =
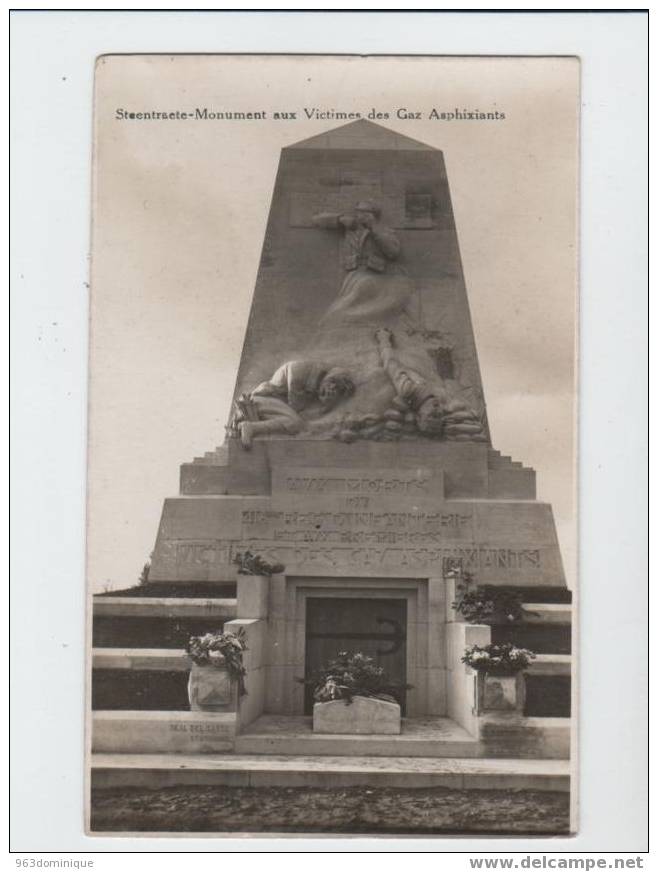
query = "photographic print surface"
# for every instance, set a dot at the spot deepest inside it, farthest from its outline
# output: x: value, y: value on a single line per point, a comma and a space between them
x: 331, y: 522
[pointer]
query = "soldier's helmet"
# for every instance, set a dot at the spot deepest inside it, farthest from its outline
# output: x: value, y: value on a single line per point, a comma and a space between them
x: 368, y: 206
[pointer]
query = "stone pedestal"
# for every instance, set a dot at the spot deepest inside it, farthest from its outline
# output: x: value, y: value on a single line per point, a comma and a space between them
x: 363, y: 716
x: 500, y: 693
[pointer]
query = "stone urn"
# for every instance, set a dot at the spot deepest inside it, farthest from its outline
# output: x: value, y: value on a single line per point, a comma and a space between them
x: 499, y: 692
x: 364, y: 715
x: 210, y: 689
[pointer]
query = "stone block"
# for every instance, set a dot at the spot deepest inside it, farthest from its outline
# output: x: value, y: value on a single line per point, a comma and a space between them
x: 452, y: 615
x: 460, y: 679
x: 162, y: 770
x: 276, y: 643
x: 277, y: 602
x: 164, y: 607
x: 141, y: 659
x: 319, y: 520
x: 436, y: 646
x: 252, y: 596
x: 551, y: 664
x: 522, y: 544
x: 256, y: 634
x: 437, y: 701
x: 252, y: 704
x: 460, y: 636
x: 463, y: 465
x: 362, y: 716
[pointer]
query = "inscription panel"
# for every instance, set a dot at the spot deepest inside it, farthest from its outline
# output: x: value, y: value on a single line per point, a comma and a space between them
x: 471, y: 557
x: 362, y: 527
x: 388, y: 523
x: 401, y: 488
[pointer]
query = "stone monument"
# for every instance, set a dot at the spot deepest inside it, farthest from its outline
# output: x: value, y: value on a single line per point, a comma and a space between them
x: 358, y: 457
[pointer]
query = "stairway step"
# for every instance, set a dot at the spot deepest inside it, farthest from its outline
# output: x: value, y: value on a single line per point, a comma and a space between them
x: 253, y: 770
x: 540, y: 594
x: 145, y: 659
x: 173, y: 590
x: 166, y: 607
x: 218, y: 457
x: 551, y: 664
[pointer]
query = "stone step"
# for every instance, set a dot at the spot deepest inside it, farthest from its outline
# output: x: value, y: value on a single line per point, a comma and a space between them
x: 145, y: 659
x: 503, y: 462
x: 420, y: 737
x: 542, y: 638
x: 217, y: 457
x: 541, y: 595
x: 165, y: 607
x: 174, y: 590
x: 547, y: 613
x: 253, y: 770
x: 551, y: 664
x: 509, y: 479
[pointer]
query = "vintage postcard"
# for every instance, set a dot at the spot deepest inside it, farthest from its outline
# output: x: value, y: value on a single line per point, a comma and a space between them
x: 332, y: 517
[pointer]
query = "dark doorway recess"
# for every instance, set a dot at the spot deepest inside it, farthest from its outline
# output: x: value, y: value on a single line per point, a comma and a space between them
x: 376, y: 627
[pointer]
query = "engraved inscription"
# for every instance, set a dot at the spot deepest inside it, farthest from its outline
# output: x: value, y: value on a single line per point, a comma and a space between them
x: 201, y: 553
x: 410, y: 528
x: 196, y: 729
x: 471, y: 558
